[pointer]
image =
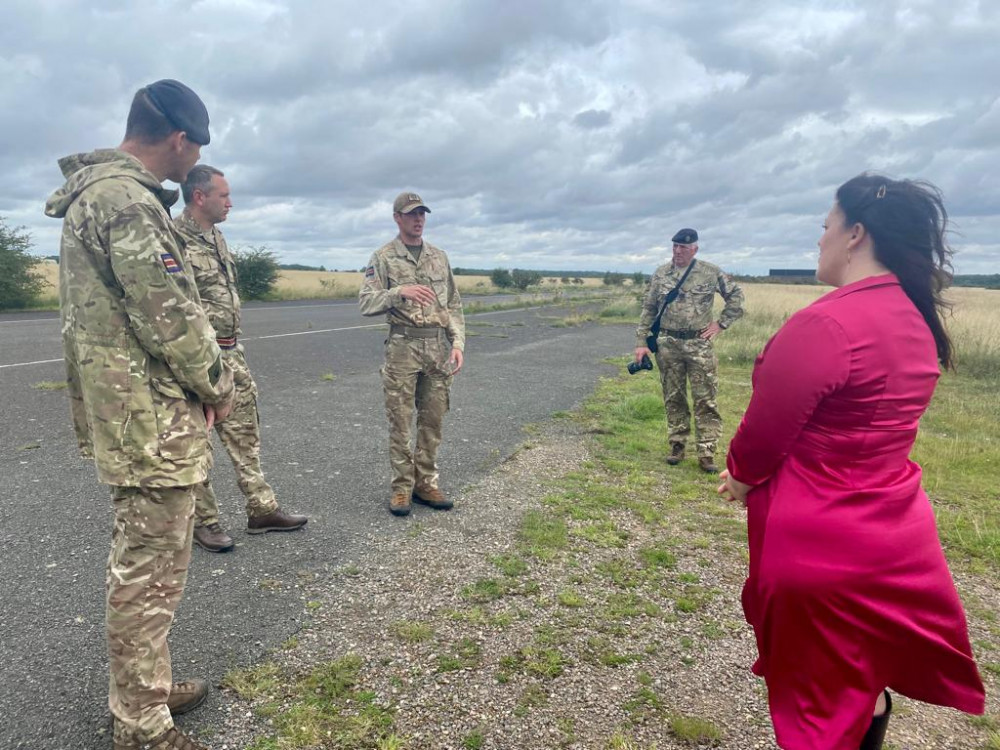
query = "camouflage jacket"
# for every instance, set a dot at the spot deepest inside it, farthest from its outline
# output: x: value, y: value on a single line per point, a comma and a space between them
x: 141, y: 356
x: 692, y: 309
x: 215, y: 274
x: 393, y: 266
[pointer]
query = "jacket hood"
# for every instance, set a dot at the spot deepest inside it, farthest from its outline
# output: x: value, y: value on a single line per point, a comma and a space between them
x: 83, y: 170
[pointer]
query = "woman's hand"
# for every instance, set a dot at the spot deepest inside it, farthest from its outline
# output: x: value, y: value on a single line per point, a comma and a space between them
x: 732, y: 489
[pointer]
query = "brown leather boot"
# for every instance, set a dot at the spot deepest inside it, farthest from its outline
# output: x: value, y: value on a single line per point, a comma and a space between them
x: 213, y: 538
x: 432, y: 497
x: 676, y: 454
x: 707, y: 464
x: 172, y: 739
x: 875, y: 735
x: 276, y: 520
x: 399, y: 504
x: 186, y: 696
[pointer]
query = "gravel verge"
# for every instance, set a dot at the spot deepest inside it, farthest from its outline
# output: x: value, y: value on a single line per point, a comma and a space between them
x: 471, y: 642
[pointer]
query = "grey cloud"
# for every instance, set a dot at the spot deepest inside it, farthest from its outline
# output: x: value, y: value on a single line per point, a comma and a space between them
x: 558, y: 134
x: 592, y: 119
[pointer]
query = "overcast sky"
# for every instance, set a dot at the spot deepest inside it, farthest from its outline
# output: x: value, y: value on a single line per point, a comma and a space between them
x: 546, y: 134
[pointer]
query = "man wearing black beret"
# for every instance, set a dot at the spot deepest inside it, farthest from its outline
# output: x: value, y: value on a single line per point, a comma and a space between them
x: 146, y: 381
x: 681, y: 293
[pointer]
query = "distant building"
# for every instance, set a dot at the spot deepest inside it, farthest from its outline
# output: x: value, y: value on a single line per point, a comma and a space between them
x: 792, y: 275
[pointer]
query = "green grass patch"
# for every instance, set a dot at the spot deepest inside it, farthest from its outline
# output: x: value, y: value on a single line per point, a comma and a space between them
x: 253, y: 682
x: 465, y: 654
x: 326, y: 707
x: 533, y: 660
x: 51, y: 385
x: 692, y: 730
x: 474, y: 740
x: 511, y: 566
x: 543, y: 537
x: 485, y: 590
x: 412, y: 632
x: 569, y: 598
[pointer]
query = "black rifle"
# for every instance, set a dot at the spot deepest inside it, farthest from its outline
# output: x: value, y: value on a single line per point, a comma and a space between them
x: 654, y: 329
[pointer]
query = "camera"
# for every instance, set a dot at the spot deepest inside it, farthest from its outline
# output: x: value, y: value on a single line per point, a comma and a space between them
x: 643, y: 364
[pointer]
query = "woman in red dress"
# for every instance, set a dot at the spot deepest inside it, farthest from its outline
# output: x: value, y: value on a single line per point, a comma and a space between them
x: 849, y: 592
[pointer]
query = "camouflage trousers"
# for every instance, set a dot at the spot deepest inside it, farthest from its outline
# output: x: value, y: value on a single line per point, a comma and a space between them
x: 240, y: 435
x: 679, y: 362
x: 147, y: 569
x: 415, y: 377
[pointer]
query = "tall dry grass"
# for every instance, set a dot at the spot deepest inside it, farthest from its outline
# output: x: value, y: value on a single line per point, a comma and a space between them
x: 973, y: 324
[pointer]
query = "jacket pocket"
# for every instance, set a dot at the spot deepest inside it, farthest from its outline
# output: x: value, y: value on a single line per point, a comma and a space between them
x: 180, y: 422
x: 440, y: 286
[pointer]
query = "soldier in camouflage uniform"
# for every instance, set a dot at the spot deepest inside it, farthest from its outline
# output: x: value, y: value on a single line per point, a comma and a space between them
x: 146, y: 380
x: 410, y: 281
x: 207, y: 203
x: 685, y: 345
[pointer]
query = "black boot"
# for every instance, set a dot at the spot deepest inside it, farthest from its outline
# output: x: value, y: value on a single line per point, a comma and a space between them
x: 876, y: 730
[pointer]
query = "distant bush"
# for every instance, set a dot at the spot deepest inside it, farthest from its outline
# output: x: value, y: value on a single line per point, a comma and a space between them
x: 523, y: 279
x: 614, y: 279
x: 501, y: 278
x: 639, y: 278
x: 19, y: 285
x: 257, y: 271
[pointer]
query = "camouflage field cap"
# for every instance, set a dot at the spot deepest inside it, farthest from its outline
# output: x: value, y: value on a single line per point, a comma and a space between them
x: 183, y: 108
x: 685, y: 237
x: 406, y: 202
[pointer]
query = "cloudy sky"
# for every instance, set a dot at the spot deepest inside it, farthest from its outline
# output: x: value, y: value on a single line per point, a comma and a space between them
x: 546, y: 134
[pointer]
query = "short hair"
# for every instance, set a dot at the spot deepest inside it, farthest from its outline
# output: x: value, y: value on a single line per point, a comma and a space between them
x: 907, y: 222
x: 199, y: 178
x: 146, y: 123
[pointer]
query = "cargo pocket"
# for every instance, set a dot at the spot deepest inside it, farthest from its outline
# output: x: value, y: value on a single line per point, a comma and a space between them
x: 180, y: 424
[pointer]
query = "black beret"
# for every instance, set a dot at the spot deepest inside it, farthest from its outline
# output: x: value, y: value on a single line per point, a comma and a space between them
x: 182, y: 108
x: 685, y: 237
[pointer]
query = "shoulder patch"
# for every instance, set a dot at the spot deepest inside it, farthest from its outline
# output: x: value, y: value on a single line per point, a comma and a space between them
x: 170, y: 263
x: 370, y: 273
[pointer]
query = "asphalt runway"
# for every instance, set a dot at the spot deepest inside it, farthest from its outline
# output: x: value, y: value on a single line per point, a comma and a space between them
x: 324, y: 451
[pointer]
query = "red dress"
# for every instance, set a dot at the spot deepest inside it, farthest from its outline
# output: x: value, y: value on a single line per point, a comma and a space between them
x: 848, y: 591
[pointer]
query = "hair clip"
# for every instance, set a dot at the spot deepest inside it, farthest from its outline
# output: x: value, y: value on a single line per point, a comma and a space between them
x: 880, y: 193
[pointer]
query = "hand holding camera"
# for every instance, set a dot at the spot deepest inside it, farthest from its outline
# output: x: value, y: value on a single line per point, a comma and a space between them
x: 643, y: 364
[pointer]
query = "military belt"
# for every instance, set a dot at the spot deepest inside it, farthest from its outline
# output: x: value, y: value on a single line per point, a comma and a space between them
x: 226, y: 343
x: 430, y: 332
x: 683, y: 335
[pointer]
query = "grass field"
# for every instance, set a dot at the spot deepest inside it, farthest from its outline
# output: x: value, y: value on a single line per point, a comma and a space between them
x: 294, y: 285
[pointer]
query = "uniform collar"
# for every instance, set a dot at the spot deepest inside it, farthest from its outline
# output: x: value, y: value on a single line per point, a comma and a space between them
x: 403, y: 251
x: 189, y: 223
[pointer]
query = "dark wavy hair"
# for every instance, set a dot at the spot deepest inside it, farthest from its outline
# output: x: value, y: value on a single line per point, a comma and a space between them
x: 907, y: 222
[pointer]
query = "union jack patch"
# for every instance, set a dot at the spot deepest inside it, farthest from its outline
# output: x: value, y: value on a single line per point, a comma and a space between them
x: 170, y: 263
x: 370, y: 272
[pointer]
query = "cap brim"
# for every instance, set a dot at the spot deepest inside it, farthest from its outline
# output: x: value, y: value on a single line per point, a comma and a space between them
x: 412, y: 207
